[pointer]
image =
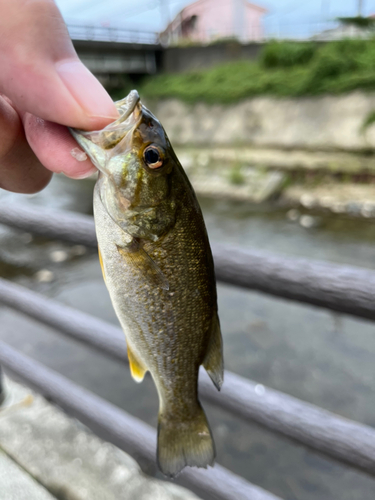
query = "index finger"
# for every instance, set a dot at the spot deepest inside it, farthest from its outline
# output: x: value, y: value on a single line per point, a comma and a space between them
x: 40, y: 70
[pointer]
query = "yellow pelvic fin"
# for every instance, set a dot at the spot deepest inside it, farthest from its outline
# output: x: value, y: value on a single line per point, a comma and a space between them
x: 136, y: 368
x: 213, y: 362
x: 101, y: 262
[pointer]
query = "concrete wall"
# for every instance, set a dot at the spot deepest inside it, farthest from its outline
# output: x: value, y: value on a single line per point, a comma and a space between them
x: 319, y: 123
x: 181, y: 59
x: 103, y: 58
x: 118, y: 58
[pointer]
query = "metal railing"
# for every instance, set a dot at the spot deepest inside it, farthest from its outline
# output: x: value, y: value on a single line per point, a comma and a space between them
x: 274, y: 30
x: 321, y: 284
x: 108, y: 34
x: 344, y: 289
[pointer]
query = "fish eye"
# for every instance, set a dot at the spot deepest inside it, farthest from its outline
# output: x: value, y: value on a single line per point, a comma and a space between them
x: 152, y: 157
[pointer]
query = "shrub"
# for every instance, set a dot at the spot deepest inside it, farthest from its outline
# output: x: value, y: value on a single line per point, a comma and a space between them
x: 286, y: 54
x: 284, y: 69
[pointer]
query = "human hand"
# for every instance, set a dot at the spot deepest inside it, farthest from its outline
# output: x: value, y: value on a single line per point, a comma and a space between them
x: 43, y: 88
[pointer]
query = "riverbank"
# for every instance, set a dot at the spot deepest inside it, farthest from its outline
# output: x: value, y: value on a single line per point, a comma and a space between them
x: 318, y: 148
x: 334, y: 182
x: 326, y: 123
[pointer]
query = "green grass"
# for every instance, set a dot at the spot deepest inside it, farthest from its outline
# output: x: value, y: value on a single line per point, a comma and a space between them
x: 369, y: 120
x: 283, y: 69
x: 236, y: 176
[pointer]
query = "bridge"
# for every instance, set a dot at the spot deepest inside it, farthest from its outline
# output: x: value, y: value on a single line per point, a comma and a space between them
x: 111, y: 52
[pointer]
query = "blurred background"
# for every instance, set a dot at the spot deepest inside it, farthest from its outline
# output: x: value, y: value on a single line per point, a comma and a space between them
x: 271, y: 109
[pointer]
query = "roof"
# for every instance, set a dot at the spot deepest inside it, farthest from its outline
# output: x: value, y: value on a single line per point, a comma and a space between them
x: 170, y: 24
x: 248, y: 4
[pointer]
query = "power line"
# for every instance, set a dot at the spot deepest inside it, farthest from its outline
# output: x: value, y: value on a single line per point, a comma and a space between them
x: 164, y: 12
x: 136, y: 11
x: 112, y: 7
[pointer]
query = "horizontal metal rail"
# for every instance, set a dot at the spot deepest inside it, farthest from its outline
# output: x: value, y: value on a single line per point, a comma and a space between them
x: 339, y: 438
x: 110, y: 34
x: 344, y: 289
x: 125, y: 431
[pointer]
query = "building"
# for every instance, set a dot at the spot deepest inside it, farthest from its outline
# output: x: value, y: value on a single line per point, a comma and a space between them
x: 348, y: 29
x: 207, y: 20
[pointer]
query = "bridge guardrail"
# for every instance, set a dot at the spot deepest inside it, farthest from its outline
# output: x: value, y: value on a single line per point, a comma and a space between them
x: 109, y: 34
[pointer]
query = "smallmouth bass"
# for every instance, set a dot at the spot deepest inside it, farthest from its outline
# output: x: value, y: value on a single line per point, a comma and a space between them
x: 158, y: 269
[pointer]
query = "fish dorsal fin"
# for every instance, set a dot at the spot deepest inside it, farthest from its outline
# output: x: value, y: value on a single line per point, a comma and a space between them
x: 213, y: 361
x: 137, y: 370
x: 141, y: 260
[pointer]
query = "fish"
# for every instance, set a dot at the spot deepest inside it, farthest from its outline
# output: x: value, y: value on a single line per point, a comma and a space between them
x: 158, y: 268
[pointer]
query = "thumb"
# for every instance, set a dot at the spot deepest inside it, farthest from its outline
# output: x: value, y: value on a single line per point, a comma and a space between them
x: 41, y: 72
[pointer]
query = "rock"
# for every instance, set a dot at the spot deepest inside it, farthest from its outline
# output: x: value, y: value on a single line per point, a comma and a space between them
x: 78, y: 250
x: 308, y: 221
x: 267, y: 186
x: 26, y: 238
x: 44, y: 276
x: 353, y: 208
x: 326, y: 201
x: 58, y: 256
x: 338, y: 207
x: 293, y: 214
x: 307, y: 200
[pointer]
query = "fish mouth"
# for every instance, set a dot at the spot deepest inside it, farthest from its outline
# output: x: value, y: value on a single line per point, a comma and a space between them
x: 126, y: 106
x: 130, y: 110
x: 115, y: 138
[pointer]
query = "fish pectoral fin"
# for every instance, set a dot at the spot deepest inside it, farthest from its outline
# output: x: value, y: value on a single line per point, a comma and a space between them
x: 101, y: 262
x: 146, y: 265
x: 137, y: 370
x: 213, y: 361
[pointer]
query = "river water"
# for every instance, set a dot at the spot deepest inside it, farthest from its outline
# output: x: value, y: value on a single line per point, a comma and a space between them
x: 318, y: 356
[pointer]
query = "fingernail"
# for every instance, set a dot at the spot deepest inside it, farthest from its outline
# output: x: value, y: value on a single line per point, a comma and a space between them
x: 83, y: 174
x: 86, y: 89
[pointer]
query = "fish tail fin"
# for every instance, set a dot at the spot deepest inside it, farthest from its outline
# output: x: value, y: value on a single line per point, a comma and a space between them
x: 182, y: 443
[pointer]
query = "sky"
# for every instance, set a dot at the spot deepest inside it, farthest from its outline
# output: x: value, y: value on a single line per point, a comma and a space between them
x: 152, y: 15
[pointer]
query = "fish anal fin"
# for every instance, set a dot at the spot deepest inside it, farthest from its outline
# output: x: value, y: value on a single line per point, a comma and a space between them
x: 145, y: 265
x: 101, y: 262
x: 137, y: 370
x: 213, y: 361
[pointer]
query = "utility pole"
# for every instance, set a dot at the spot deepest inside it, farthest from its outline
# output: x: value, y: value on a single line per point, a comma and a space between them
x: 164, y: 12
x: 239, y: 19
x: 325, y: 8
x: 165, y: 18
x: 360, y: 8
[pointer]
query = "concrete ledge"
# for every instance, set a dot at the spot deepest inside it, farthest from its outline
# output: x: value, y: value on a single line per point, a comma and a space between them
x: 15, y: 484
x: 68, y: 460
